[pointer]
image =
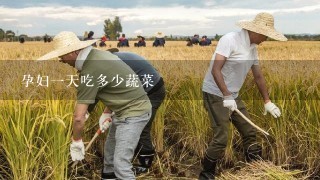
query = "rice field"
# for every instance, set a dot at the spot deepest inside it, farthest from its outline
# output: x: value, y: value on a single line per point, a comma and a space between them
x: 35, y: 121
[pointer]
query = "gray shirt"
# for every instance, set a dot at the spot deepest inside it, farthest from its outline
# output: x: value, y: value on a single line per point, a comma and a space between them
x: 142, y: 68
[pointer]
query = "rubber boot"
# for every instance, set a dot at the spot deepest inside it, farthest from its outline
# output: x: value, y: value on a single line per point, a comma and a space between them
x: 108, y: 176
x: 145, y: 163
x: 209, y: 169
x: 253, y: 155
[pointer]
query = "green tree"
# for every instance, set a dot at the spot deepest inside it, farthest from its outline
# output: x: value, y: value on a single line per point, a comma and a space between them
x: 109, y: 29
x: 106, y: 27
x: 113, y: 33
x: 217, y: 37
x: 112, y: 28
x: 117, y: 26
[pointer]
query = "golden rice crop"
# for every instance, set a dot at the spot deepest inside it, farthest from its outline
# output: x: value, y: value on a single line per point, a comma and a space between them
x: 35, y: 134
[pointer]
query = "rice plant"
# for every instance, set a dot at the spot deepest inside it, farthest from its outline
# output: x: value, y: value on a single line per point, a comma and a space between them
x: 35, y: 122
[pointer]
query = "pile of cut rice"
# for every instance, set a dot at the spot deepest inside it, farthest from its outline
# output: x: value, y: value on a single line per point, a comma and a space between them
x: 261, y: 170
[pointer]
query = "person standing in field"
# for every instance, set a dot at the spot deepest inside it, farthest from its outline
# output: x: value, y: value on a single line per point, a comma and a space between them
x: 89, y: 36
x: 235, y: 55
x: 159, y: 41
x: 123, y: 41
x: 153, y: 84
x: 102, y: 75
x: 141, y: 42
x: 195, y: 39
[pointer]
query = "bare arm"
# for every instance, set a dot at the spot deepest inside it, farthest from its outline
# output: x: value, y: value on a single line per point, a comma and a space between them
x: 78, y: 120
x: 260, y: 82
x: 217, y: 75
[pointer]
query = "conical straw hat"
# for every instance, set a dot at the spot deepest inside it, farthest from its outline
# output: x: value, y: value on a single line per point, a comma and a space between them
x: 64, y: 43
x: 159, y: 35
x: 263, y: 23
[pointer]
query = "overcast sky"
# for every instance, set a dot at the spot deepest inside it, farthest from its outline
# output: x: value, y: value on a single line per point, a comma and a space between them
x: 184, y: 17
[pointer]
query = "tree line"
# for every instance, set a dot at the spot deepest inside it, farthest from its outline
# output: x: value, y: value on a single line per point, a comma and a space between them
x: 10, y: 36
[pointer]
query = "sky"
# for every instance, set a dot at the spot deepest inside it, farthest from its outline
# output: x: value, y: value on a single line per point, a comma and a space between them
x: 146, y: 17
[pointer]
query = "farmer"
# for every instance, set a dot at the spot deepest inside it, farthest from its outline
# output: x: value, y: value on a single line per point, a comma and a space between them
x: 154, y: 86
x: 189, y: 42
x: 205, y: 41
x: 123, y: 41
x: 235, y: 55
x: 21, y: 39
x: 141, y: 42
x: 90, y: 37
x: 131, y: 105
x: 195, y: 39
x: 103, y: 41
x: 159, y: 41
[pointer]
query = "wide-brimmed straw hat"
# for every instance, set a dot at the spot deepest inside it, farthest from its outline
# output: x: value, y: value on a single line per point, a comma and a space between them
x: 263, y: 23
x: 159, y: 35
x: 64, y: 43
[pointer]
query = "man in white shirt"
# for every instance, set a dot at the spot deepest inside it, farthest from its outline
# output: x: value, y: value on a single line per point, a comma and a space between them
x: 235, y: 55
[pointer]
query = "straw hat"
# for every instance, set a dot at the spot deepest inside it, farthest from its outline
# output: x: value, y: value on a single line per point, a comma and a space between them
x: 159, y: 35
x: 263, y: 23
x: 64, y: 43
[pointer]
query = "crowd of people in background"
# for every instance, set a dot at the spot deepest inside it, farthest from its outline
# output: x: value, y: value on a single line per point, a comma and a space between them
x: 159, y: 40
x: 195, y: 40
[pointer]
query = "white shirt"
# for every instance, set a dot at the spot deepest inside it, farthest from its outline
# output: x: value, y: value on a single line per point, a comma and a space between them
x: 241, y: 56
x: 82, y: 56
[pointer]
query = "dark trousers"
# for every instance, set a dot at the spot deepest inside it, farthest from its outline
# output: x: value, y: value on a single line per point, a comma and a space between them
x: 145, y: 146
x: 221, y: 117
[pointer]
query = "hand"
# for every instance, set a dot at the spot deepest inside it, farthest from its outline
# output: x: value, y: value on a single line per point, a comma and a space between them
x: 272, y: 109
x: 77, y: 150
x: 105, y: 121
x: 229, y: 102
